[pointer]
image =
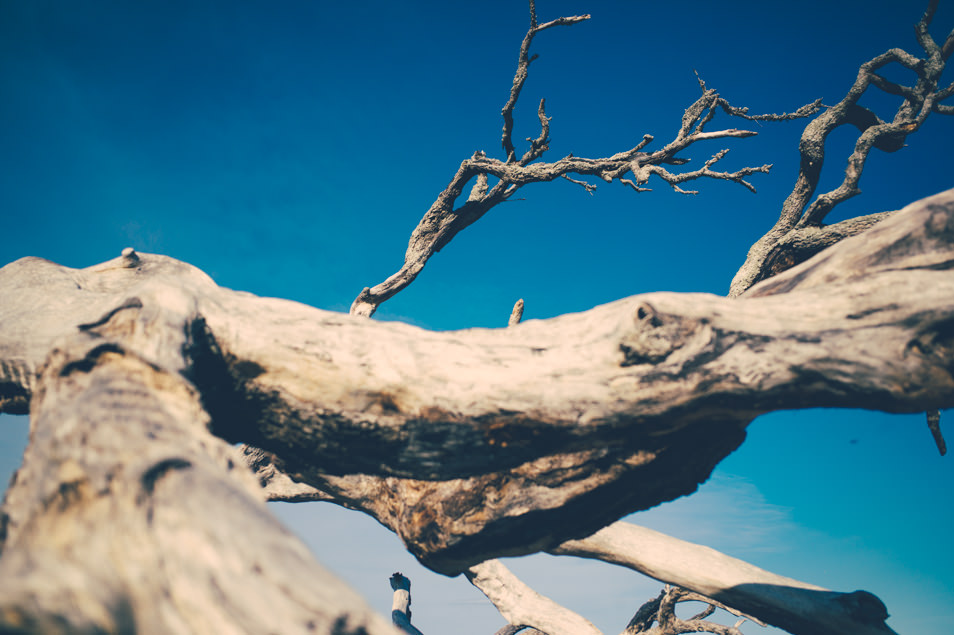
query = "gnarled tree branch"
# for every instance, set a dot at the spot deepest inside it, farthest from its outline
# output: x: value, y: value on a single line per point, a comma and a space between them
x: 661, y: 611
x: 797, y: 607
x: 780, y: 248
x: 469, y: 445
x: 444, y: 220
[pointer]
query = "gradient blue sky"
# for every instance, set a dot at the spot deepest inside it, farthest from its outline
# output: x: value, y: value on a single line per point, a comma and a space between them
x: 289, y: 148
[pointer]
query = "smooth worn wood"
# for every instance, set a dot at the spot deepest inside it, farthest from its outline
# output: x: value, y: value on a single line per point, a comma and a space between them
x: 663, y: 381
x: 470, y: 444
x: 797, y: 607
x: 401, y: 604
x: 519, y: 604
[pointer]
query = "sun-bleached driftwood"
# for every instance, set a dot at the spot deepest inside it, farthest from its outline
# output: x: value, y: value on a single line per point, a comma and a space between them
x: 719, y: 367
x: 658, y: 616
x: 632, y: 167
x: 489, y: 442
x: 762, y: 596
x: 127, y: 514
x: 519, y: 604
x: 401, y: 604
x: 797, y: 607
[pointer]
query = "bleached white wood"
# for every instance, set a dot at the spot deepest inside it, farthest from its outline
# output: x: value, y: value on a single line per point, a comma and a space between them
x: 519, y: 604
x: 128, y: 515
x: 450, y: 439
x: 798, y: 607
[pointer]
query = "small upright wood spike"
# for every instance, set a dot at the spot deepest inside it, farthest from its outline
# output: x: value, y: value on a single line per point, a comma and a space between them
x: 517, y: 314
x: 934, y: 423
x: 401, y: 604
x: 130, y: 258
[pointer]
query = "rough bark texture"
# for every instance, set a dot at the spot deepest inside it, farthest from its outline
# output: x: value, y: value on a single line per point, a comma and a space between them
x: 632, y: 167
x: 658, y: 616
x: 698, y: 366
x: 470, y: 445
x: 800, y: 232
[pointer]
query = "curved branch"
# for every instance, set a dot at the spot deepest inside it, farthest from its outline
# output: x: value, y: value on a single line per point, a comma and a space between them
x: 520, y: 77
x: 519, y: 604
x: 662, y: 611
x: 797, y: 607
x: 800, y: 244
x: 443, y: 221
x: 562, y: 414
x: 919, y: 101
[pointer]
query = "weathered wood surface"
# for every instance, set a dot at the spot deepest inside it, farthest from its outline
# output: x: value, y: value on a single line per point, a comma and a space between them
x: 519, y: 604
x: 471, y: 444
x: 797, y: 607
x: 401, y: 604
x: 128, y: 515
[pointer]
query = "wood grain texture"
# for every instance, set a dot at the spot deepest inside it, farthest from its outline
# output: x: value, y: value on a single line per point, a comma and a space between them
x: 128, y: 515
x: 469, y: 444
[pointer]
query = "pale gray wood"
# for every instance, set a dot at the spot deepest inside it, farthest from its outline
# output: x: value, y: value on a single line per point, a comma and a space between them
x: 128, y: 515
x: 519, y: 604
x: 798, y: 607
x: 472, y: 444
x: 401, y: 604
x: 861, y: 325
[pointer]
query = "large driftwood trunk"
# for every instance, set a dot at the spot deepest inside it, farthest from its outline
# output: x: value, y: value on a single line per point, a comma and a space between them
x: 131, y: 507
x: 128, y: 515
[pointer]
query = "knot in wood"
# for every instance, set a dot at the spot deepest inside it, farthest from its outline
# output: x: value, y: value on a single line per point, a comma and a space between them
x: 130, y: 258
x: 655, y: 337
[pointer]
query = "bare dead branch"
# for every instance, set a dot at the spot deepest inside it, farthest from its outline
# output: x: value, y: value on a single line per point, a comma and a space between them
x: 661, y: 611
x: 533, y: 434
x: 539, y: 145
x: 715, y: 578
x: 918, y: 102
x: 520, y: 77
x: 444, y: 220
x: 401, y: 604
x: 517, y: 314
x: 519, y: 604
x: 800, y: 244
x: 589, y: 187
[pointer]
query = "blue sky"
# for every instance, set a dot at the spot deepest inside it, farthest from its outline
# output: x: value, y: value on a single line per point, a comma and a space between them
x: 288, y: 149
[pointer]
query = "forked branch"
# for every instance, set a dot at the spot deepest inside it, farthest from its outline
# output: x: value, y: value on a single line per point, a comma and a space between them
x: 799, y: 232
x: 632, y: 167
x: 661, y: 612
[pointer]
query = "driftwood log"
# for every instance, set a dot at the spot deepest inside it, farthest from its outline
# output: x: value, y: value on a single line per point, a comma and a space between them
x: 132, y: 508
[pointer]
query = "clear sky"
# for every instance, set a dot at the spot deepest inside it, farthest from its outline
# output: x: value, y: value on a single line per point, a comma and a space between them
x: 289, y: 148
